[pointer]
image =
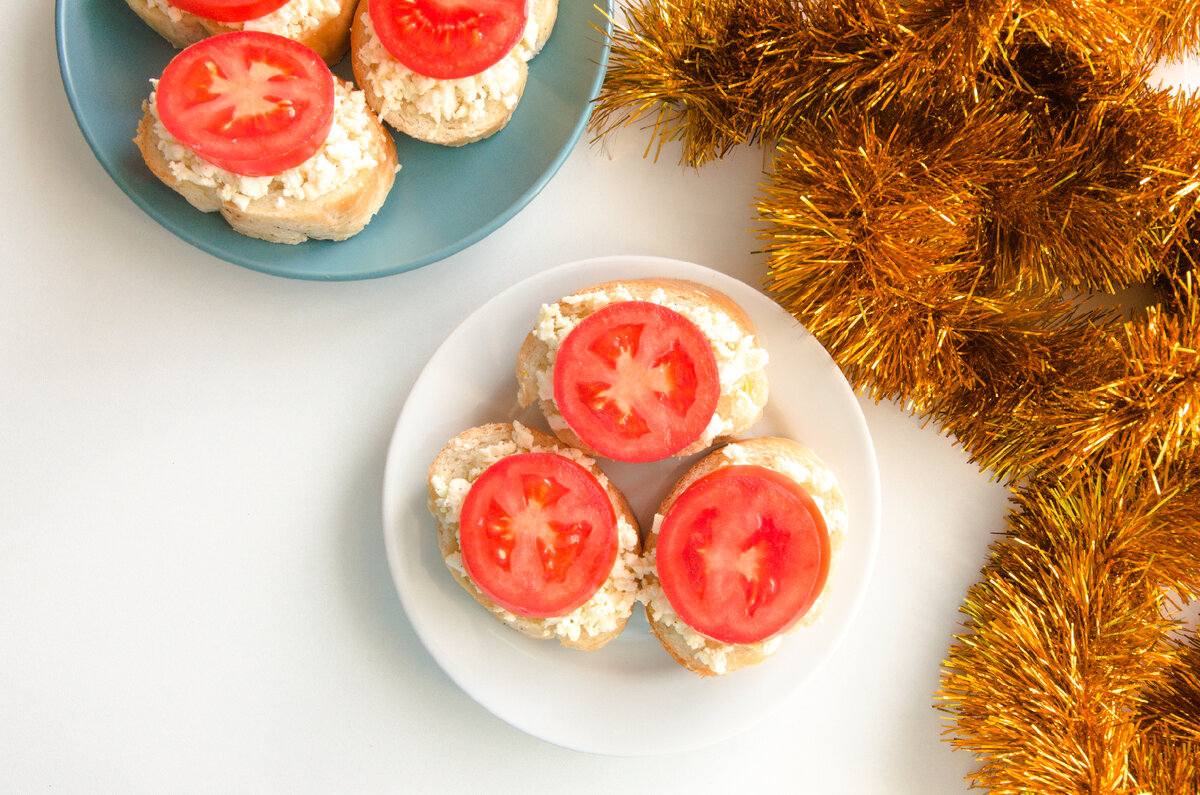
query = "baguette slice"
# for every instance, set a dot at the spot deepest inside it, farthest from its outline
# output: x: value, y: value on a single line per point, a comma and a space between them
x: 380, y: 76
x: 328, y: 34
x: 702, y: 655
x: 335, y: 215
x: 741, y: 402
x: 461, y: 461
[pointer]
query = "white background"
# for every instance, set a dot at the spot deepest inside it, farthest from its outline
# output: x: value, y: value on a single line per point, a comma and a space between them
x: 193, y: 590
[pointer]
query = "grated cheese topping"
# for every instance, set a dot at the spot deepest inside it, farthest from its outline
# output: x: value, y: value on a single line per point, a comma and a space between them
x: 292, y: 19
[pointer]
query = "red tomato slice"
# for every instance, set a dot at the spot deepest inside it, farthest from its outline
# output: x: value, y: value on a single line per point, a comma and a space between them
x: 252, y: 103
x: 636, y: 381
x: 742, y: 554
x: 538, y: 534
x: 229, y: 10
x: 446, y: 39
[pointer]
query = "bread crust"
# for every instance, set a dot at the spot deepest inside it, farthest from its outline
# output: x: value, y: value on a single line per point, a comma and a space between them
x: 775, y: 453
x: 328, y: 36
x: 534, y: 356
x: 544, y: 13
x: 451, y: 463
x: 411, y: 121
x: 337, y: 215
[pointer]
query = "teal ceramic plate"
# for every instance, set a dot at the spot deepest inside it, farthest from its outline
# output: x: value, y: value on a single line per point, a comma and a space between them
x: 444, y: 199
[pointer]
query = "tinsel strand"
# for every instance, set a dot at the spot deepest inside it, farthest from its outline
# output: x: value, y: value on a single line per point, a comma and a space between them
x: 1073, y: 603
x: 942, y: 172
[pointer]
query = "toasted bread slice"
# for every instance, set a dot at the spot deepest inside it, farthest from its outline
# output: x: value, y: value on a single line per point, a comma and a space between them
x: 445, y: 112
x: 461, y: 461
x: 741, y: 361
x: 327, y: 31
x: 705, y: 656
x: 280, y: 215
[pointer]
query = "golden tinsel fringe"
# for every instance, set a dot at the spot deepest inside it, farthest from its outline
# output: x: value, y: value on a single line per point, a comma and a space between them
x: 950, y: 183
x: 1069, y: 656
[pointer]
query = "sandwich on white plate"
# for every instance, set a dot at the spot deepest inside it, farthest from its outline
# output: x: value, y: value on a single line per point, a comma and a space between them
x: 536, y: 533
x: 741, y: 552
x: 644, y: 369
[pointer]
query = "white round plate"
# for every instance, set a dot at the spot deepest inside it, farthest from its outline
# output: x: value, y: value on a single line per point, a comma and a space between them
x: 629, y: 697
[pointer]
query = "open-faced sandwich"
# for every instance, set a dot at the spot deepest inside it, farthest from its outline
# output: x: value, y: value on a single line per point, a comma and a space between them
x: 322, y: 25
x: 448, y: 72
x: 256, y: 127
x: 646, y: 369
x: 740, y: 553
x: 536, y: 533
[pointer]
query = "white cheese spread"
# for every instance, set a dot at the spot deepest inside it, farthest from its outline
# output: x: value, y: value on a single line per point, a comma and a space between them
x: 295, y: 17
x: 292, y: 19
x: 346, y: 152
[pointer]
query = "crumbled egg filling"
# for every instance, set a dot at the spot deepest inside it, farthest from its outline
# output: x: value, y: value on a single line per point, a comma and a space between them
x: 459, y: 100
x: 292, y: 19
x: 611, y: 604
x: 737, y: 354
x: 714, y: 654
x: 346, y: 152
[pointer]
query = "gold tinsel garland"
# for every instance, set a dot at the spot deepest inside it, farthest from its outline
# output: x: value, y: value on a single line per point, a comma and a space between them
x: 948, y: 180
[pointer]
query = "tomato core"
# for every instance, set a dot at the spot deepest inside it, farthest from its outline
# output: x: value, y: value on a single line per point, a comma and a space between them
x: 252, y: 103
x: 742, y: 554
x: 538, y: 534
x: 636, y: 381
x: 448, y: 39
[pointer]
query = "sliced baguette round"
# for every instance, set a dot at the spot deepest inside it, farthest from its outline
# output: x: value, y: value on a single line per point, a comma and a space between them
x: 328, y: 35
x: 740, y: 404
x: 370, y: 63
x: 707, y: 657
x: 336, y: 215
x: 464, y: 458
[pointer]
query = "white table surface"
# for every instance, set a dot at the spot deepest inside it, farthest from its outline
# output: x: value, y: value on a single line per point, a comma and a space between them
x: 194, y: 595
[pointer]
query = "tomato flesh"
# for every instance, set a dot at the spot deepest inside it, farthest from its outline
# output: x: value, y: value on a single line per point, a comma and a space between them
x: 447, y: 39
x: 636, y: 381
x: 742, y: 554
x: 538, y: 534
x: 229, y: 10
x: 252, y: 103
